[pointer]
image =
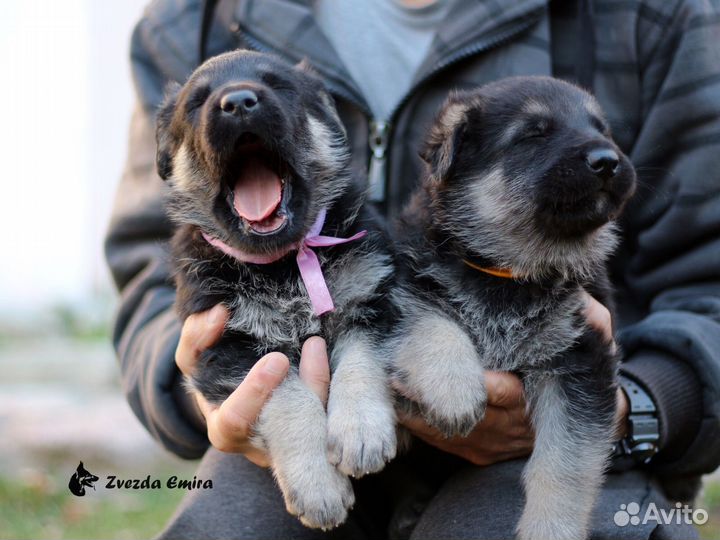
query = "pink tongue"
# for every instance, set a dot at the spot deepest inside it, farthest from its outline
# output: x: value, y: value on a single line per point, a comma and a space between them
x: 257, y: 192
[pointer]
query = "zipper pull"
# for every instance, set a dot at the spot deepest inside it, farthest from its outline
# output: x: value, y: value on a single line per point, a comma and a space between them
x: 377, y: 141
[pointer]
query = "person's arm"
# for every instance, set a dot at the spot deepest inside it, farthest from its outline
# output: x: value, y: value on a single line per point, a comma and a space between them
x: 669, y: 265
x: 146, y: 330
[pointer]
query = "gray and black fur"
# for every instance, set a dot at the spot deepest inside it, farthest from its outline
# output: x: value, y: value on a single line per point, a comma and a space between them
x: 240, y: 103
x: 522, y: 174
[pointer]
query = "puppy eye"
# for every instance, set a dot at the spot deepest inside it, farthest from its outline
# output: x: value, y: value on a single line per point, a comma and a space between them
x: 536, y: 130
x: 276, y: 82
x: 601, y: 126
x: 197, y: 98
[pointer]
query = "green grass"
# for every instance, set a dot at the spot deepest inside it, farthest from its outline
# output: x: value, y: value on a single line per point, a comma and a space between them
x: 45, y: 509
x: 711, y: 503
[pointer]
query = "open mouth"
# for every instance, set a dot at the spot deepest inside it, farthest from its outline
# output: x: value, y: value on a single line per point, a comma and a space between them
x: 259, y: 190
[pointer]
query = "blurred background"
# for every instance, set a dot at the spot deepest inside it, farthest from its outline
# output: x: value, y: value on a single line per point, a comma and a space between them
x: 67, y: 96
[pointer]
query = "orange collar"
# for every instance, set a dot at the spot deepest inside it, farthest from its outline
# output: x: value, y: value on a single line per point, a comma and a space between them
x: 497, y: 272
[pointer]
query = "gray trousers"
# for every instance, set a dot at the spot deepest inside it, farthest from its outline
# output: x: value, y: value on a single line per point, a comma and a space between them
x: 423, y: 495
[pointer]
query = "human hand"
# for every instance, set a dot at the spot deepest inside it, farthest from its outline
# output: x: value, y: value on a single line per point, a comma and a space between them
x: 599, y: 318
x: 230, y: 424
x: 505, y: 431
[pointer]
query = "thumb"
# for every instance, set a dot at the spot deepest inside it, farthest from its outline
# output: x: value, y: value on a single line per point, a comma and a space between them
x: 199, y: 332
x: 315, y: 367
x: 504, y: 389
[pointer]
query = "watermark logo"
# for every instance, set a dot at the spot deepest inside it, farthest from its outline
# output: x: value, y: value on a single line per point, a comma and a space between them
x: 81, y: 479
x: 629, y: 514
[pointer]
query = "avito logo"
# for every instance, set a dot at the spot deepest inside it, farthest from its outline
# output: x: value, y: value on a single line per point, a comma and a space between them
x: 629, y: 514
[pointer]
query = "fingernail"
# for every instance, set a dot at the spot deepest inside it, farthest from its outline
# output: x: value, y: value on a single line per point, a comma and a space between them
x: 315, y: 346
x: 215, y: 314
x: 275, y: 364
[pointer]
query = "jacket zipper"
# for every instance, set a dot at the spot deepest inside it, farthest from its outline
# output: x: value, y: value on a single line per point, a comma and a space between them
x: 378, y: 143
x: 380, y: 131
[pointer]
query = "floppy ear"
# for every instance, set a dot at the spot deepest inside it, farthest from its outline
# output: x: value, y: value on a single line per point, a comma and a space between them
x: 165, y: 141
x: 445, y: 134
x: 321, y: 90
x: 305, y: 66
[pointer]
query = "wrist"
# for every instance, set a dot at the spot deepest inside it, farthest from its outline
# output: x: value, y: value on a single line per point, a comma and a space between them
x: 642, y: 429
x: 622, y: 413
x: 676, y: 392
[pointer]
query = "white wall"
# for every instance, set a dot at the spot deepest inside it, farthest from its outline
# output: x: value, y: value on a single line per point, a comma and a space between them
x: 66, y: 95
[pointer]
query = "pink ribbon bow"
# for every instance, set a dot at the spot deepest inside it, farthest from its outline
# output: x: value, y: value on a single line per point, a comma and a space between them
x: 307, y: 261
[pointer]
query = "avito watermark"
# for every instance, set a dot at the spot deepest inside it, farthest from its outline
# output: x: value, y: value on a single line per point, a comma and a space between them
x: 629, y: 514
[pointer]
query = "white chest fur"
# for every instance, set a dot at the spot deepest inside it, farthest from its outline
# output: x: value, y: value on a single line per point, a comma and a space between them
x: 280, y: 315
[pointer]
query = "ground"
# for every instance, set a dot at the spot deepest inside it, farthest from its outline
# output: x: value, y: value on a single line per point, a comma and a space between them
x: 61, y: 403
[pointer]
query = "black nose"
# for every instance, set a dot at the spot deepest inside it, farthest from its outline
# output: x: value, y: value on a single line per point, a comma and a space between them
x: 239, y: 102
x: 603, y: 162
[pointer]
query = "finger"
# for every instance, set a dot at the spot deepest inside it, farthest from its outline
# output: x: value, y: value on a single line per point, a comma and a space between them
x: 253, y: 454
x: 258, y: 457
x: 232, y: 421
x: 418, y: 426
x: 315, y: 367
x: 522, y: 450
x: 434, y: 438
x: 484, y: 457
x: 509, y: 423
x: 504, y: 389
x: 621, y: 415
x: 598, y: 317
x: 200, y: 331
x: 500, y: 424
x: 484, y: 446
x: 497, y: 419
x: 206, y: 408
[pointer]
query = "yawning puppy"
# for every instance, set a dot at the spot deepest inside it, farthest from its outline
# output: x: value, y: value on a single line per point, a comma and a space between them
x: 270, y: 224
x: 512, y: 222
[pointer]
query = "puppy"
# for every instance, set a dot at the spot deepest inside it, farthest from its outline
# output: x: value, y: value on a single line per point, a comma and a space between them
x: 270, y: 224
x: 513, y: 221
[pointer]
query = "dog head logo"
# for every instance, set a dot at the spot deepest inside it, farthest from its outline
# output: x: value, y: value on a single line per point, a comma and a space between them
x: 81, y: 479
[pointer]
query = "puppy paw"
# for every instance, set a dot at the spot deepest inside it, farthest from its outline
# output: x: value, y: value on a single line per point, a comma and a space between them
x: 456, y: 410
x: 437, y: 366
x: 324, y: 502
x: 545, y: 529
x: 362, y: 442
x: 455, y: 422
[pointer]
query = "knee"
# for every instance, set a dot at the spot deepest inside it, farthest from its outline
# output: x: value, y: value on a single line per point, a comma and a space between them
x: 477, y: 503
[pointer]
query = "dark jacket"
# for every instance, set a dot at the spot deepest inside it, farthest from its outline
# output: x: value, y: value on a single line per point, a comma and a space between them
x: 654, y: 66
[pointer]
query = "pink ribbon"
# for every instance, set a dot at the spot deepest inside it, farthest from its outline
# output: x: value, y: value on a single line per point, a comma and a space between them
x: 307, y: 261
